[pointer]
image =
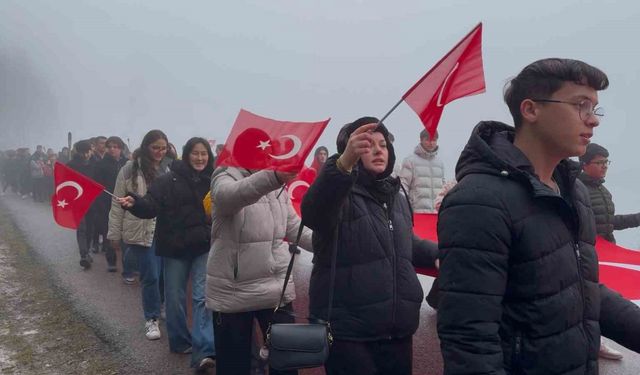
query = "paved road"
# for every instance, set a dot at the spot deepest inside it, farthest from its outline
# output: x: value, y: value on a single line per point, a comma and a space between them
x: 114, y: 311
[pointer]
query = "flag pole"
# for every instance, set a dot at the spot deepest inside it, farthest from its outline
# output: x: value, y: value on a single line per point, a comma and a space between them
x: 111, y: 194
x: 391, y: 110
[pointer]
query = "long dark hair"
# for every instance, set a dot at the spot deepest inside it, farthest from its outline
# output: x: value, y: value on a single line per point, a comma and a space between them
x: 142, y: 160
x: 188, y: 147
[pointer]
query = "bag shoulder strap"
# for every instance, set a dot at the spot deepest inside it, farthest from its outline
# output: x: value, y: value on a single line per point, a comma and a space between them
x: 293, y: 249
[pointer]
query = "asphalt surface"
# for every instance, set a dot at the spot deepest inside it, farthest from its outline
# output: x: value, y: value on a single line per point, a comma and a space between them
x: 114, y: 310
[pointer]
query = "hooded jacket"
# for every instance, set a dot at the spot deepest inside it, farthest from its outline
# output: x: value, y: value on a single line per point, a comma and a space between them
x: 519, y: 272
x: 422, y: 176
x: 377, y: 294
x: 249, y: 257
x: 183, y: 228
x: 605, y: 211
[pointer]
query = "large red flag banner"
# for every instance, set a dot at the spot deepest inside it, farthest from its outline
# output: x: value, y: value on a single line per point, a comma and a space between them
x: 619, y: 268
x: 459, y: 73
x: 257, y: 142
x: 73, y: 195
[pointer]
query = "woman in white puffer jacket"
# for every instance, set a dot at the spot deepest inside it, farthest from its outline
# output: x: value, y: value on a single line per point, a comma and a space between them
x: 248, y: 259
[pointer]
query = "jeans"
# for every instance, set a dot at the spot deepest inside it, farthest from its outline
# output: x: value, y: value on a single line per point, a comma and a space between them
x: 176, y: 277
x: 149, y: 265
x: 233, y: 339
x: 129, y: 261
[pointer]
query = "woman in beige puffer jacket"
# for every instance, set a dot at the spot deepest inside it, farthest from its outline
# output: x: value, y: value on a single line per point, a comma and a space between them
x: 248, y: 259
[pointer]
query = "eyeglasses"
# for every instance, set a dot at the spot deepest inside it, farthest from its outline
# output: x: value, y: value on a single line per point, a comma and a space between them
x: 601, y: 163
x: 586, y: 108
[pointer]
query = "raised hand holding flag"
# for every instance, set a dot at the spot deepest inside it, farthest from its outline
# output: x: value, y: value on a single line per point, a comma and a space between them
x: 459, y: 73
x: 73, y: 195
x: 257, y: 142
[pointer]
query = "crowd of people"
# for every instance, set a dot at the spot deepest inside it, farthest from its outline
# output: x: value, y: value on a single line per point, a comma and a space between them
x: 517, y: 290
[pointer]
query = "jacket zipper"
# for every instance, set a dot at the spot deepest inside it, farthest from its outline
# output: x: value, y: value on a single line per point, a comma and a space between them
x: 393, y: 264
x: 517, y: 350
x: 576, y: 247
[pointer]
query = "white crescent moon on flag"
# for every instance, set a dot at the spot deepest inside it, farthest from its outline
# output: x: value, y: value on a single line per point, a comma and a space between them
x: 297, y: 145
x: 296, y: 184
x: 444, y: 85
x: 72, y: 184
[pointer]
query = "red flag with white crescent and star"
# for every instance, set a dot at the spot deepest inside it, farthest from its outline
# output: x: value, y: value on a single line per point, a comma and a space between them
x: 459, y: 73
x: 298, y: 187
x: 73, y: 195
x: 257, y: 142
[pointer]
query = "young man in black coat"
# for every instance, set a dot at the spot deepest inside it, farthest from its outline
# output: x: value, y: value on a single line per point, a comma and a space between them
x: 519, y: 272
x: 106, y: 172
x: 80, y: 163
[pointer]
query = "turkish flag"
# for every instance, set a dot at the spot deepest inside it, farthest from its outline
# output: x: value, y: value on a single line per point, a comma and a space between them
x: 459, y: 73
x: 619, y: 268
x: 298, y: 187
x: 257, y: 142
x: 73, y: 196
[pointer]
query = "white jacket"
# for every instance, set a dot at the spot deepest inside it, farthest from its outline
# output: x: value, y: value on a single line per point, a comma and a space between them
x: 422, y: 175
x: 249, y: 257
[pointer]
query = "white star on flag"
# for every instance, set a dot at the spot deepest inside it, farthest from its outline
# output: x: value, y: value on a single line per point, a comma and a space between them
x: 63, y: 203
x: 264, y: 144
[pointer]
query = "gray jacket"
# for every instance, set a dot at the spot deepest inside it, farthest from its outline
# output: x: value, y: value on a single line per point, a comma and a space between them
x: 422, y: 176
x: 249, y: 256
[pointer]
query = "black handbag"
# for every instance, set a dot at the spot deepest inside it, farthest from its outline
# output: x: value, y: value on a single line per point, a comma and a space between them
x: 294, y: 346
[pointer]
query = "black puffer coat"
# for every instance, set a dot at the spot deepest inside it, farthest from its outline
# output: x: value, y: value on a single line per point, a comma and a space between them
x: 519, y: 272
x: 105, y: 172
x: 377, y: 294
x: 183, y: 230
x: 604, y: 210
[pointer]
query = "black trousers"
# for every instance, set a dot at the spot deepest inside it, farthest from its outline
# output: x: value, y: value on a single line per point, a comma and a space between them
x: 233, y: 339
x: 102, y: 228
x: 383, y: 357
x: 82, y: 237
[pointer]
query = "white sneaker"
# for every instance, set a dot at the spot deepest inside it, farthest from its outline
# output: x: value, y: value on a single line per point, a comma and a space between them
x: 152, y: 330
x: 609, y: 353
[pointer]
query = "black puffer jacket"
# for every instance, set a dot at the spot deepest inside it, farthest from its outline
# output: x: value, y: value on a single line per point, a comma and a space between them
x: 604, y: 210
x: 377, y: 294
x: 519, y: 272
x: 106, y: 171
x: 183, y: 230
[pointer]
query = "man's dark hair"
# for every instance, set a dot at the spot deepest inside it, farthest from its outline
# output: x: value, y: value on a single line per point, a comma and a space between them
x: 425, y: 134
x: 593, y: 150
x: 82, y: 147
x: 542, y: 78
x: 115, y: 140
x: 100, y: 138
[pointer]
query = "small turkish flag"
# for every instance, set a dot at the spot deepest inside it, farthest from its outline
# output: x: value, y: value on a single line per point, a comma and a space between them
x: 257, y: 142
x: 73, y: 196
x: 298, y: 187
x: 459, y: 73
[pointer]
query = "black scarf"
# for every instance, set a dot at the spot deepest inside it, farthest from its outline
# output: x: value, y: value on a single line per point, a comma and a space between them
x: 382, y: 189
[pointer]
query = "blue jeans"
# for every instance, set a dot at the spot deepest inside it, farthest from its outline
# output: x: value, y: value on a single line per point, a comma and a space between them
x: 149, y: 265
x: 129, y: 262
x: 176, y: 277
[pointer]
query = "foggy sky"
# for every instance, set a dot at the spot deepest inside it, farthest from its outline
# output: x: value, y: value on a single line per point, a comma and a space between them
x: 125, y: 67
